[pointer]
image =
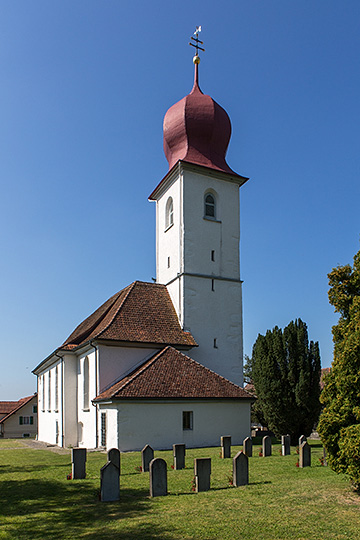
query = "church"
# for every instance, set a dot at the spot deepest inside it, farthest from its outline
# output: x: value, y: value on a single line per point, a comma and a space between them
x: 162, y: 363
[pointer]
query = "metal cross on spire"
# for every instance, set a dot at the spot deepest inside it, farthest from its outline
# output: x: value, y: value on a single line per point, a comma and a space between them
x: 197, y: 41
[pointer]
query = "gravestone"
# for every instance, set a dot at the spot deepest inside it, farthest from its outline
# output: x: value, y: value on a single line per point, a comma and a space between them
x: 202, y: 471
x: 266, y: 446
x: 114, y: 457
x: 179, y: 456
x: 158, y: 477
x: 226, y: 447
x: 147, y: 454
x: 248, y: 447
x: 305, y: 455
x: 240, y: 469
x: 285, y: 445
x: 302, y: 439
x: 78, y: 463
x: 109, y: 482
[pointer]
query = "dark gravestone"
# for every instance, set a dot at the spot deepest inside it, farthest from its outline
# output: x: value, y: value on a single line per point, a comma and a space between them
x: 202, y: 471
x: 158, y: 477
x: 266, y: 446
x: 302, y: 439
x: 109, y: 482
x: 240, y: 469
x: 114, y: 457
x: 226, y: 447
x: 305, y: 455
x: 285, y: 445
x: 78, y: 461
x: 179, y: 456
x: 147, y: 454
x: 248, y: 447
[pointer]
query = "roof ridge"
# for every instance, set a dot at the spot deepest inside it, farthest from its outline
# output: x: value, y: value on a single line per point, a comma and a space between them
x: 130, y: 287
x: 140, y: 370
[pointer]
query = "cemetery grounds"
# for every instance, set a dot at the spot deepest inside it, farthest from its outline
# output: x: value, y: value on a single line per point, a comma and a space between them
x: 281, y: 501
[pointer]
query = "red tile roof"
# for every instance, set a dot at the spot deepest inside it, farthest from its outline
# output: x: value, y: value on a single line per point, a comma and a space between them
x: 170, y: 374
x: 18, y: 405
x: 140, y: 313
x: 7, y: 406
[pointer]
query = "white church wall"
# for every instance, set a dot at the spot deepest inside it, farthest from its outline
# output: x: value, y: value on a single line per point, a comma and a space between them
x: 86, y: 391
x: 70, y: 409
x: 116, y: 362
x: 49, y: 404
x: 160, y: 424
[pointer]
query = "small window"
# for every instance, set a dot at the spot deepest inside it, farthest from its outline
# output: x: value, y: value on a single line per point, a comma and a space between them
x: 210, y: 206
x: 34, y: 409
x: 169, y: 213
x: 103, y: 429
x: 215, y: 344
x: 168, y: 262
x: 26, y: 420
x: 213, y: 284
x: 187, y: 420
x: 213, y: 255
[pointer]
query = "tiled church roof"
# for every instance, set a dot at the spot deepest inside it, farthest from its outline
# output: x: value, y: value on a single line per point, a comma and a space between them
x: 170, y: 374
x: 140, y: 313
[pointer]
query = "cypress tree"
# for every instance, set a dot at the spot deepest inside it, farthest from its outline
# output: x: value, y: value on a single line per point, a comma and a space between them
x: 285, y: 371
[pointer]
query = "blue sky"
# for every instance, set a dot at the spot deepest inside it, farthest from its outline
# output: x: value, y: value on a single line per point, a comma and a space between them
x: 84, y: 88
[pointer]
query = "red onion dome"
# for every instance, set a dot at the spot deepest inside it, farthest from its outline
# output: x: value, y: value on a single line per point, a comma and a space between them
x: 197, y: 130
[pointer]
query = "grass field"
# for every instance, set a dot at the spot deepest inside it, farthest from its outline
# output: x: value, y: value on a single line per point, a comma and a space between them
x: 281, y: 502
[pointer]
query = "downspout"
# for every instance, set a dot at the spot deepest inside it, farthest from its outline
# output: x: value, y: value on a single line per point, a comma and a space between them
x: 97, y: 392
x: 62, y: 399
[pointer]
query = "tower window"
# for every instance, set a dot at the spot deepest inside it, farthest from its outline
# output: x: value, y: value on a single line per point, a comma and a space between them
x: 168, y: 262
x: 213, y: 255
x: 215, y: 344
x: 213, y: 284
x: 210, y: 206
x: 169, y: 213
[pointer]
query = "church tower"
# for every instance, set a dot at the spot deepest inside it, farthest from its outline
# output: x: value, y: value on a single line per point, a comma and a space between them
x: 198, y: 231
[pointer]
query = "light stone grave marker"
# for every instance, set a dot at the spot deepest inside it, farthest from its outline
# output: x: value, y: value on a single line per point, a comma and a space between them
x: 302, y: 439
x: 266, y: 446
x: 158, y: 477
x: 305, y: 455
x: 202, y: 471
x: 179, y: 456
x: 226, y: 447
x: 109, y: 482
x: 147, y: 454
x: 248, y: 447
x: 285, y: 445
x: 78, y: 463
x: 240, y: 469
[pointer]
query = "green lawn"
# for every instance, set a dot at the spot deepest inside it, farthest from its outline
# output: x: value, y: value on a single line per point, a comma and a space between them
x: 281, y: 501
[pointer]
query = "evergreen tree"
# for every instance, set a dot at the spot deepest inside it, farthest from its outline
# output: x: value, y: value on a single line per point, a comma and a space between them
x: 339, y: 425
x: 285, y: 371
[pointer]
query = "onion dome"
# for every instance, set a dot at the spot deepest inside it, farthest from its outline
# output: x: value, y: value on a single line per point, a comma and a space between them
x: 197, y: 130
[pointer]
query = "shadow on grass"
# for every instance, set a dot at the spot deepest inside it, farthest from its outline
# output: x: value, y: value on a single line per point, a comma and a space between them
x: 42, y: 510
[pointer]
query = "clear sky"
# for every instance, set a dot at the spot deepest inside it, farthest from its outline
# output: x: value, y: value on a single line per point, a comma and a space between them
x: 84, y: 88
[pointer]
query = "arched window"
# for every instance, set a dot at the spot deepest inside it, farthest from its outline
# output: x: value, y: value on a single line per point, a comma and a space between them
x: 169, y: 213
x: 56, y: 388
x: 49, y: 391
x: 86, y: 382
x: 210, y: 206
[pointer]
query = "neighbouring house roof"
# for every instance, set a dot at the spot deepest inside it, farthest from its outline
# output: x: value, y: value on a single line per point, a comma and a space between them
x: 170, y: 374
x: 7, y: 406
x: 17, y: 405
x: 141, y: 313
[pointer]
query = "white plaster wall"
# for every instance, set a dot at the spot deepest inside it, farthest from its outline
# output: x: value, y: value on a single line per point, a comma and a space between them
x: 48, y: 413
x: 160, y: 423
x: 116, y: 362
x: 86, y: 415
x: 69, y: 402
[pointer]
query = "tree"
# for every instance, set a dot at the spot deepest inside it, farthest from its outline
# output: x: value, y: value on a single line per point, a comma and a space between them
x: 339, y: 425
x: 285, y: 371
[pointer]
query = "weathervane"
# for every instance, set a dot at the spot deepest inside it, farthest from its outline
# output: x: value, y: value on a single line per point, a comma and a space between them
x: 196, y: 58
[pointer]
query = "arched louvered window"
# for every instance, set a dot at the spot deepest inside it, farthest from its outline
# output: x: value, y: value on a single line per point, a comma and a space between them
x: 169, y: 213
x: 210, y: 206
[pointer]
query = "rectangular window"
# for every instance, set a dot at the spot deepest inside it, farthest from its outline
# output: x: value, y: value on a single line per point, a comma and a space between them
x: 56, y: 388
x: 187, y: 420
x: 43, y: 392
x: 26, y: 420
x: 213, y: 255
x: 213, y: 284
x: 103, y: 429
x: 34, y: 409
x: 168, y: 262
x: 49, y: 392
